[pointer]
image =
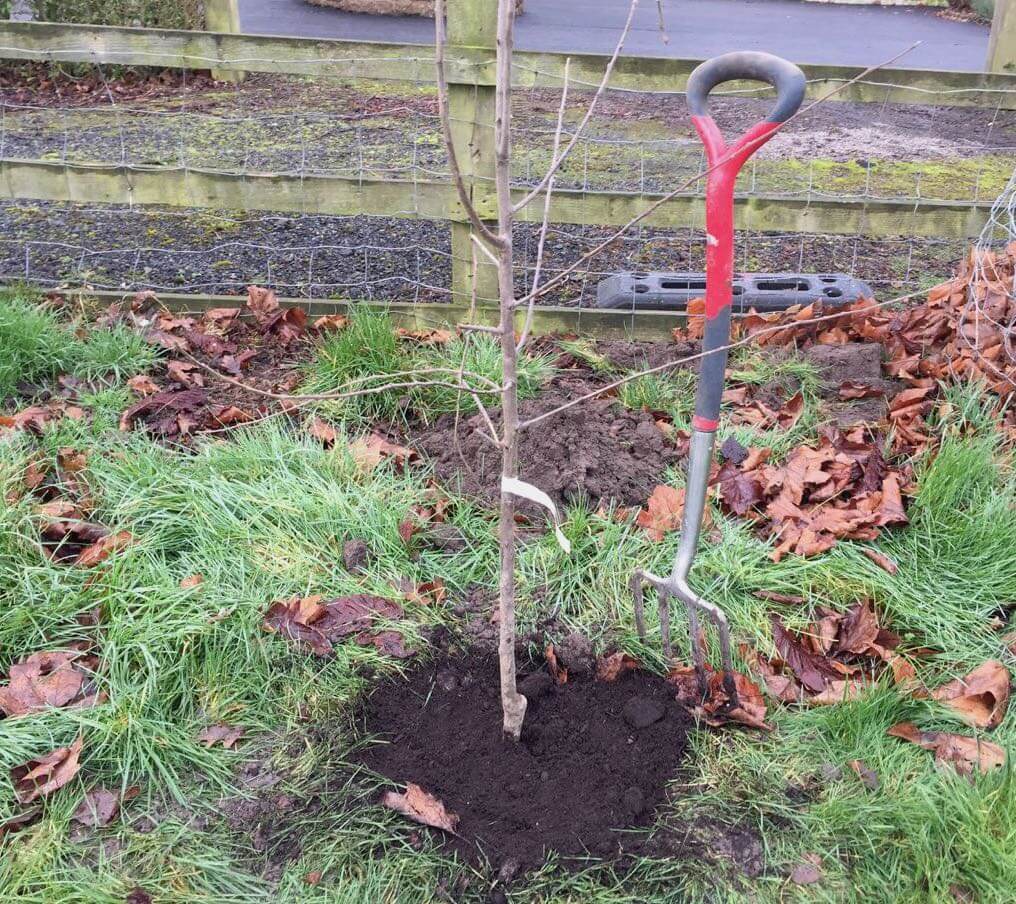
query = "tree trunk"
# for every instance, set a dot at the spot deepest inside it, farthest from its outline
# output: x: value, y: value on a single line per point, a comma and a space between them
x: 512, y: 702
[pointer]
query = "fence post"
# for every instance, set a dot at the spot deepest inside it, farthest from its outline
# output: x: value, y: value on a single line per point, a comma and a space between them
x: 472, y: 23
x: 1002, y: 43
x: 224, y: 16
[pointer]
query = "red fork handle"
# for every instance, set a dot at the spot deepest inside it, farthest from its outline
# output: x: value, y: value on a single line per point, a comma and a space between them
x: 725, y: 162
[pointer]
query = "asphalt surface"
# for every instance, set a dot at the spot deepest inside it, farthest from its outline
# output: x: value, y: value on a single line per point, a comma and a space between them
x: 802, y: 32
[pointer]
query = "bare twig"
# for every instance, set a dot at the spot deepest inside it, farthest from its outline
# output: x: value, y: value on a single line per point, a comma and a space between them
x: 556, y: 160
x: 493, y: 388
x: 440, y: 41
x: 667, y: 365
x: 634, y: 221
x: 546, y: 214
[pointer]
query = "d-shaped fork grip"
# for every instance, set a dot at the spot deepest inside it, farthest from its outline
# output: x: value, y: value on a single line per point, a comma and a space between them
x: 725, y: 162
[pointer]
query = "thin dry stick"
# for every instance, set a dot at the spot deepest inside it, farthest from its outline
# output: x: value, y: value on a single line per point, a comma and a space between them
x: 628, y: 378
x: 546, y: 214
x: 556, y: 161
x: 370, y: 390
x: 446, y: 128
x: 634, y: 221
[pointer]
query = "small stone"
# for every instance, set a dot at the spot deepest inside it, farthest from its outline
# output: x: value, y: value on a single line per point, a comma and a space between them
x: 447, y: 680
x: 355, y: 555
x: 641, y: 713
x: 634, y: 801
x: 576, y: 654
x: 445, y: 537
x: 535, y: 686
x: 830, y: 772
x: 508, y: 870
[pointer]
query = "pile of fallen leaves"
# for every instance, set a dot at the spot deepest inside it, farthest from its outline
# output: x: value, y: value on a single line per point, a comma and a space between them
x: 833, y: 659
x: 62, y: 505
x: 314, y: 624
x: 960, y: 332
x: 221, y: 341
x: 842, y: 489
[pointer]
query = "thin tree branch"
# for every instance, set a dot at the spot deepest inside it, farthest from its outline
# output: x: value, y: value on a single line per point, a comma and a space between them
x: 634, y: 221
x: 546, y: 214
x: 440, y: 40
x: 370, y: 390
x: 556, y: 160
x: 667, y: 365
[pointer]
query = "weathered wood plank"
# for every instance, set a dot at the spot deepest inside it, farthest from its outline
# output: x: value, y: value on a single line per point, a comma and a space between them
x: 414, y: 62
x: 113, y: 184
x: 902, y: 86
x: 59, y: 42
x: 547, y: 319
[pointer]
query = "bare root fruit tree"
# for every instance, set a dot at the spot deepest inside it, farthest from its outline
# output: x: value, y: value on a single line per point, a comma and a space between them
x: 494, y: 241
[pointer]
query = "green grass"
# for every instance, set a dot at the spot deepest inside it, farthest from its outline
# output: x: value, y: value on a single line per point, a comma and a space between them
x: 370, y: 348
x: 263, y: 516
x: 36, y: 345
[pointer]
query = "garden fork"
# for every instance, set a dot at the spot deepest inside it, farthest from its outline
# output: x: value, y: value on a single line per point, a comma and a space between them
x: 724, y: 162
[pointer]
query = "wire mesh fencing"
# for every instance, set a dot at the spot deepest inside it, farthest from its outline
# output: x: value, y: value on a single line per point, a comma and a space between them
x: 285, y: 137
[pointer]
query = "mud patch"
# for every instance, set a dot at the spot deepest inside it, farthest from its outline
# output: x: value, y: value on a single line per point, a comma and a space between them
x: 594, y: 758
x: 853, y: 362
x: 595, y: 453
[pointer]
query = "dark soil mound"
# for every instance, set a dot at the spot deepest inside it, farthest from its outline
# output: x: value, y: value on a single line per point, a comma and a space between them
x: 595, y: 452
x: 594, y: 758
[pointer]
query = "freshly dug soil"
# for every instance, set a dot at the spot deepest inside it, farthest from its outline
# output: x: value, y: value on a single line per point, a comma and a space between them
x: 597, y: 452
x: 853, y: 362
x: 594, y: 758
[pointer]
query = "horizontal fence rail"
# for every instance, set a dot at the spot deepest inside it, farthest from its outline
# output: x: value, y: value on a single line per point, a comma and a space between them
x: 470, y: 72
x: 547, y: 319
x: 178, y: 187
x: 60, y: 42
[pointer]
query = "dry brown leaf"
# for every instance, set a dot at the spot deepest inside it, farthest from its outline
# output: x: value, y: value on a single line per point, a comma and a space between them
x: 369, y: 451
x: 104, y: 548
x: 98, y: 808
x: 960, y: 751
x: 558, y: 672
x: 41, y: 777
x: 881, y: 559
x: 45, y: 680
x: 662, y: 513
x: 610, y: 668
x: 220, y: 733
x: 809, y: 872
x: 421, y: 806
x: 426, y: 337
x: 311, y: 623
x: 331, y: 323
x: 980, y: 698
x: 323, y: 431
x: 143, y: 385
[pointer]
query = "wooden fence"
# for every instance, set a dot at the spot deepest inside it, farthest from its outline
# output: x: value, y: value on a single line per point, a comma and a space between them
x: 470, y: 70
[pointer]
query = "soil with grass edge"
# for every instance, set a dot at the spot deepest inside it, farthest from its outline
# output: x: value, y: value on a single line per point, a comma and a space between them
x: 595, y: 453
x: 594, y: 759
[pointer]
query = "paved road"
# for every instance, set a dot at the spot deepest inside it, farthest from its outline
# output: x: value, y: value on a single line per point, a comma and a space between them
x: 803, y: 32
